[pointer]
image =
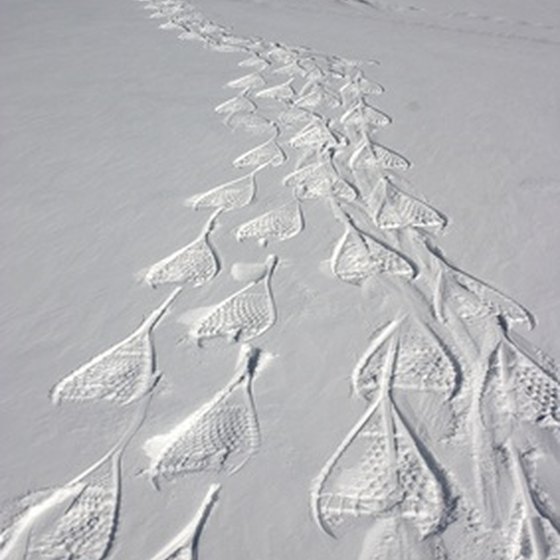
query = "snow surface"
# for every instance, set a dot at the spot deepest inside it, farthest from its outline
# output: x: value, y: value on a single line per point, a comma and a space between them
x: 109, y: 131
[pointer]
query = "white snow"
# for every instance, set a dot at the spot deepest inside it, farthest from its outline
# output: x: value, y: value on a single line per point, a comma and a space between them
x: 404, y: 398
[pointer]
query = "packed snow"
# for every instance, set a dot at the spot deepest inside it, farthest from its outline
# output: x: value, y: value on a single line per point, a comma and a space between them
x: 280, y: 280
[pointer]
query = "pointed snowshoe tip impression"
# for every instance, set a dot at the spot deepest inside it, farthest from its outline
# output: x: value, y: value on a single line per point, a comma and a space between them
x: 86, y: 528
x: 227, y: 196
x: 293, y: 69
x: 268, y: 153
x: 377, y: 467
x: 471, y: 298
x: 258, y: 64
x: 250, y: 81
x: 363, y: 115
x: 280, y: 92
x: 236, y: 104
x: 249, y: 122
x: 372, y: 156
x: 123, y: 373
x: 245, y: 315
x: 221, y: 435
x: 534, y: 390
x: 279, y: 224
x: 315, y: 135
x: 357, y: 257
x: 195, y: 264
x: 402, y: 210
x: 417, y: 359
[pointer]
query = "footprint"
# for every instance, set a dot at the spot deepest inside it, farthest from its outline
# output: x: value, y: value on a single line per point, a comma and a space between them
x: 279, y: 224
x: 281, y: 54
x: 221, y: 435
x: 494, y: 302
x: 317, y: 83
x: 228, y: 196
x: 249, y: 122
x: 243, y: 316
x: 388, y: 159
x: 358, y: 256
x: 256, y: 63
x: 170, y: 26
x: 21, y: 515
x: 472, y: 299
x: 315, y: 135
x: 291, y: 69
x: 417, y: 359
x: 184, y: 546
x: 351, y: 92
x: 239, y: 103
x: 280, y: 92
x: 220, y: 46
x: 295, y: 116
x: 318, y: 180
x: 123, y: 373
x: 399, y: 210
x: 534, y: 391
x: 195, y: 264
x: 190, y: 35
x: 77, y: 520
x: 249, y: 82
x: 265, y: 154
x: 371, y: 156
x: 376, y: 472
x: 362, y: 115
x: 86, y: 529
x: 316, y: 97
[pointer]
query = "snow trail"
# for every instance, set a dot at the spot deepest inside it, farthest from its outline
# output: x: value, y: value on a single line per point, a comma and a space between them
x: 451, y: 343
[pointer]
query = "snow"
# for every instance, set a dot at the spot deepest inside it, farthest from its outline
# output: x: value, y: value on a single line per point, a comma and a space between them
x: 108, y: 126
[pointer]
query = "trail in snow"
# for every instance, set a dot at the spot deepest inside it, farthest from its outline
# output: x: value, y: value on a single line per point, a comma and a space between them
x: 318, y: 118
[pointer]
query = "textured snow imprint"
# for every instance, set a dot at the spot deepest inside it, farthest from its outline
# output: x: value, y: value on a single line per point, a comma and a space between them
x: 243, y: 316
x: 195, y: 264
x: 250, y: 81
x: 533, y: 390
x: 268, y: 153
x: 372, y: 156
x: 228, y: 196
x: 357, y: 257
x: 316, y: 95
x: 258, y: 64
x: 20, y: 515
x: 220, y: 436
x: 491, y: 301
x: 293, y: 69
x: 378, y: 471
x: 280, y: 92
x: 236, y: 104
x: 249, y: 122
x: 400, y: 210
x: 417, y: 360
x: 357, y: 87
x: 279, y: 224
x: 295, y: 117
x: 363, y: 115
x: 86, y: 529
x: 318, y: 180
x: 315, y: 135
x: 472, y: 299
x: 123, y: 373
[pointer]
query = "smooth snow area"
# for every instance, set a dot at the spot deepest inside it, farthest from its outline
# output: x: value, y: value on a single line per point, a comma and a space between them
x: 357, y: 375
